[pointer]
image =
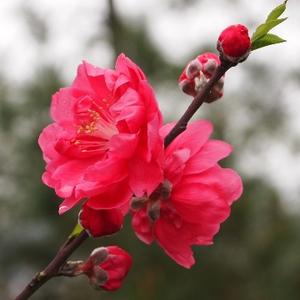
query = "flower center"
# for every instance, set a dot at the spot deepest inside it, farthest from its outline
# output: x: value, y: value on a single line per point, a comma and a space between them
x: 94, y: 128
x: 155, y: 202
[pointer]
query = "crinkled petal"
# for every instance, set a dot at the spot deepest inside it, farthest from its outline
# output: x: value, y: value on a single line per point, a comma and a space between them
x: 47, y: 141
x: 123, y: 145
x: 144, y: 177
x: 175, y: 164
x: 129, y: 68
x: 147, y: 94
x: 198, y: 203
x: 68, y: 174
x: 107, y: 171
x: 164, y: 130
x: 170, y: 239
x: 130, y: 109
x: 67, y: 204
x: 211, y: 213
x: 142, y: 226
x: 90, y: 81
x: 193, y: 138
x: 154, y: 143
x: 207, y: 157
x: 226, y: 182
x: 62, y: 105
x: 114, y: 196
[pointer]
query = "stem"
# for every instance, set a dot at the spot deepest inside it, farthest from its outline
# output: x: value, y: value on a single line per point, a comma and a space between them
x: 54, y: 266
x: 197, y: 102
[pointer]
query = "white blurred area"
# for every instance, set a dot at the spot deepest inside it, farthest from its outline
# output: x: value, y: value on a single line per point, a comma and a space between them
x: 177, y: 33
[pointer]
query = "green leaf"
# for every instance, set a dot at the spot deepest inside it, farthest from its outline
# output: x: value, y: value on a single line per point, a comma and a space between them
x: 76, y: 231
x: 264, y: 28
x: 268, y: 39
x: 277, y: 12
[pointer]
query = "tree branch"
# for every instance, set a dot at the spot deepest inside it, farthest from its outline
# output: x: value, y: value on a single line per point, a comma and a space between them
x: 54, y: 266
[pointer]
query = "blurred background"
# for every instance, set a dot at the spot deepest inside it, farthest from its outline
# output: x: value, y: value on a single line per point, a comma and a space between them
x: 256, y: 255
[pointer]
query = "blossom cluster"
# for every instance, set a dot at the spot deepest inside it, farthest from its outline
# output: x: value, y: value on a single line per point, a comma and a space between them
x: 105, y: 152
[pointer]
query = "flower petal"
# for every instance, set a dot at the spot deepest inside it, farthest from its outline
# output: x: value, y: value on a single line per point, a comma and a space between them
x: 207, y: 157
x: 193, y: 138
x: 169, y: 238
x: 113, y: 196
x: 144, y: 177
x: 142, y: 226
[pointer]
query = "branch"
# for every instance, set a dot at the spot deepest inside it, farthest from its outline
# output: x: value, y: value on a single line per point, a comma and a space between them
x: 54, y: 266
x: 197, y: 101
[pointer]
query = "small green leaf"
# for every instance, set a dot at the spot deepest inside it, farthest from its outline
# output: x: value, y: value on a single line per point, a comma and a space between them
x: 277, y: 12
x: 263, y: 29
x: 76, y: 231
x: 268, y: 39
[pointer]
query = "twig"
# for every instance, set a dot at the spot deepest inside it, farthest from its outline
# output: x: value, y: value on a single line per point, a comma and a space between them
x: 54, y: 266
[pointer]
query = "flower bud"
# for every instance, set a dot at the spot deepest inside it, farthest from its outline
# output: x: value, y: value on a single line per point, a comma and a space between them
x: 193, y: 69
x: 107, y: 267
x: 196, y: 74
x: 210, y: 62
x: 100, y: 222
x: 234, y: 43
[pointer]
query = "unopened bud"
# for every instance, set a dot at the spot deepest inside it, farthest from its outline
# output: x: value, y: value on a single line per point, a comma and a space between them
x: 197, y: 73
x: 210, y: 67
x: 107, y: 267
x: 187, y: 86
x: 100, y: 222
x: 200, y: 82
x: 98, y: 255
x: 193, y: 69
x: 234, y: 43
x: 98, y: 278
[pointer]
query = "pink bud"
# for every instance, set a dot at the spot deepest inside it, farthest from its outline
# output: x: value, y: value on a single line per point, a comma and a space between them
x: 193, y: 69
x: 196, y: 74
x: 234, y: 43
x: 107, y: 267
x: 210, y: 62
x: 100, y: 222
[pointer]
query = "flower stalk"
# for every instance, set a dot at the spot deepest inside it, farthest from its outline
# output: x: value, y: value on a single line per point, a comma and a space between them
x: 53, y: 268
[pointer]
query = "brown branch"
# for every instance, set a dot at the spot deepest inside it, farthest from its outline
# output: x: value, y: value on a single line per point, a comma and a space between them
x: 54, y: 266
x: 197, y: 102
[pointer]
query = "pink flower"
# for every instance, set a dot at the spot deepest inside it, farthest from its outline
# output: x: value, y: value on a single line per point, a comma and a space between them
x: 196, y: 74
x: 194, y: 198
x: 100, y: 222
x: 107, y: 267
x: 105, y: 137
x: 234, y: 43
